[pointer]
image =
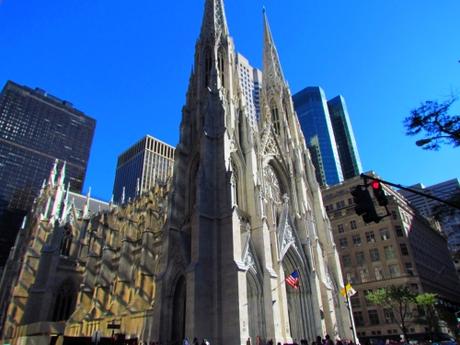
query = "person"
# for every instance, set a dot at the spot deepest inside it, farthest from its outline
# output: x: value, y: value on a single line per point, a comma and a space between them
x: 319, y: 340
x: 328, y: 340
x: 248, y: 342
x: 195, y: 341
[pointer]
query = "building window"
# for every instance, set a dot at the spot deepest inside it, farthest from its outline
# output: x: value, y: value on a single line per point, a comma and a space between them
x: 370, y: 237
x: 343, y: 242
x: 340, y: 228
x: 353, y: 224
x: 351, y: 278
x: 350, y: 201
x: 340, y: 204
x: 346, y: 260
x: 375, y: 255
x: 394, y: 271
x: 355, y: 301
x: 389, y: 252
x: 378, y: 272
x: 364, y: 275
x: 276, y: 119
x: 360, y: 259
x: 373, y: 317
x: 357, y: 240
x: 384, y: 234
x: 404, y: 250
x: 409, y: 268
x: 359, y: 320
x: 399, y: 231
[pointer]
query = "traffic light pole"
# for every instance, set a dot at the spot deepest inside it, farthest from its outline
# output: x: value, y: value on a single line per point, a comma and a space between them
x: 411, y: 190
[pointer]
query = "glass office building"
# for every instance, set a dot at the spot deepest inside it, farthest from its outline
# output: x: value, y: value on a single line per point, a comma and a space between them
x: 344, y: 137
x: 36, y: 128
x: 313, y: 113
x: 139, y: 168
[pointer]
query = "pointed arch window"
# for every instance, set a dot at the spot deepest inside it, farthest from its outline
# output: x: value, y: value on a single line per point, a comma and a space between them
x: 220, y: 63
x: 66, y: 242
x: 65, y: 301
x: 234, y: 186
x: 275, y: 118
x: 207, y: 67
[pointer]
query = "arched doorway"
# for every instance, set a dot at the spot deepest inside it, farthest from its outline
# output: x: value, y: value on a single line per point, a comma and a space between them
x: 256, y: 315
x: 299, y: 302
x: 65, y: 300
x: 178, y: 313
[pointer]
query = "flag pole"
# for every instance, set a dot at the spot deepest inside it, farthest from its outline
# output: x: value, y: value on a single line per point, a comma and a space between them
x: 349, y: 313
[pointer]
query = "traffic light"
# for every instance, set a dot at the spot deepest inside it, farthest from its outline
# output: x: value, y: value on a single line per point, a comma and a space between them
x: 364, y: 206
x: 379, y: 193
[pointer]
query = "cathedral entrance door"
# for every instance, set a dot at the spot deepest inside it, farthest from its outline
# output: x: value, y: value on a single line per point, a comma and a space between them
x: 298, y: 299
x: 178, y: 313
x: 256, y: 317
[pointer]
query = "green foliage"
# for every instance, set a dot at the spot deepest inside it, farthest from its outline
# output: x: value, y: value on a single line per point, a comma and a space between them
x: 433, y: 121
x: 427, y: 301
x: 397, y: 298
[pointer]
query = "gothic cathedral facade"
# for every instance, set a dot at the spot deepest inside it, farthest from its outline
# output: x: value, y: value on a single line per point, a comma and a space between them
x: 246, y: 211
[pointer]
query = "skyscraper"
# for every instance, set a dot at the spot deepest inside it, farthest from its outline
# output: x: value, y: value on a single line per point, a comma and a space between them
x: 36, y: 128
x: 251, y: 85
x: 451, y: 221
x: 312, y: 110
x: 141, y: 166
x: 344, y: 137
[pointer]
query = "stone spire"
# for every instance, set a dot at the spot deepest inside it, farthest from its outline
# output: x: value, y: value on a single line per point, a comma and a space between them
x: 53, y: 173
x: 214, y: 20
x: 273, y: 74
x: 61, y: 178
x: 86, y: 207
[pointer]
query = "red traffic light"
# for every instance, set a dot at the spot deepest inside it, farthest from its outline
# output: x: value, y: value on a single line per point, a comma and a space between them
x: 376, y: 185
x: 379, y: 193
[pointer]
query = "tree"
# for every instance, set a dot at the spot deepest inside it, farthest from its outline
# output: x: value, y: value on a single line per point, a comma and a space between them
x: 397, y: 298
x: 427, y: 301
x: 432, y: 119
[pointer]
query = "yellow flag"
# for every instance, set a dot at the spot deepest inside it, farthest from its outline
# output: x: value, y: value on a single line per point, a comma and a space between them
x: 348, y: 290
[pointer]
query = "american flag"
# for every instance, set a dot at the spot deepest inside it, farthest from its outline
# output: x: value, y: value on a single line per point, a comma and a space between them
x: 293, y: 280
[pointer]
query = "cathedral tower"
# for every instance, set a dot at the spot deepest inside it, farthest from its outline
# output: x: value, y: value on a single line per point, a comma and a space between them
x: 245, y: 211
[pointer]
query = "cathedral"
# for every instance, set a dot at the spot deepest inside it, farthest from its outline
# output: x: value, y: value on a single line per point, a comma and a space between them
x: 205, y: 255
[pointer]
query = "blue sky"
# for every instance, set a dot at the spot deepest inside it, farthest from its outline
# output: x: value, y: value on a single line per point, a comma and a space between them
x: 127, y: 65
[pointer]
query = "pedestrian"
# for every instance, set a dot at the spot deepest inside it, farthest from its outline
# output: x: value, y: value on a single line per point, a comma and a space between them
x: 319, y: 340
x: 195, y: 341
x: 248, y: 342
x: 185, y: 342
x: 328, y: 340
